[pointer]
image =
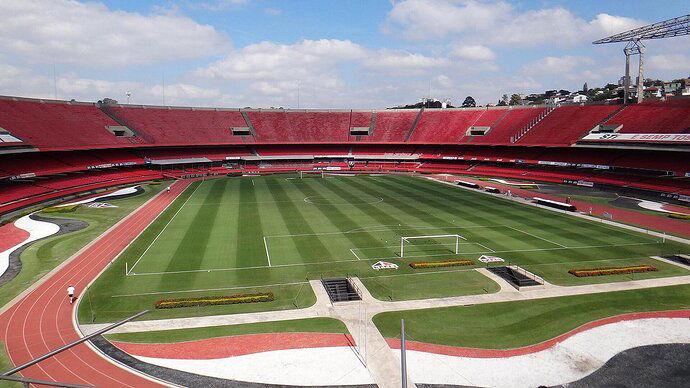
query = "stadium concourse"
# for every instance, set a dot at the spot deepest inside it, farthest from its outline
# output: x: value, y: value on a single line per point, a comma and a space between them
x: 57, y: 151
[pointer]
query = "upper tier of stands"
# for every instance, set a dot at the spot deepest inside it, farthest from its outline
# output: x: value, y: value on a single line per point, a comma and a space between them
x: 439, y: 126
x: 57, y: 124
x: 654, y: 117
x: 566, y: 124
x: 300, y: 127
x: 54, y: 125
x: 181, y: 126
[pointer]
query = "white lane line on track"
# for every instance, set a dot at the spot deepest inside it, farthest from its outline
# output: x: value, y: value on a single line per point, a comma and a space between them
x: 83, y: 256
x: 163, y: 230
x: 59, y: 332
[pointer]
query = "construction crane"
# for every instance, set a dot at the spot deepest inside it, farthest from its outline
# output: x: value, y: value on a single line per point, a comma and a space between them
x: 667, y: 29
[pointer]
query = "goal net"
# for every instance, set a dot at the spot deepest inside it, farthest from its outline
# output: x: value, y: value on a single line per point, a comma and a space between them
x: 310, y: 174
x: 430, y: 245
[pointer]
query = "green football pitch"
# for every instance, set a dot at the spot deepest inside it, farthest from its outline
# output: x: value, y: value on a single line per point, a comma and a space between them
x: 271, y: 233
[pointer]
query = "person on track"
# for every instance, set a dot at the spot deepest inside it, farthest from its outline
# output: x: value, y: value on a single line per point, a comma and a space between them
x: 168, y: 189
x: 70, y: 294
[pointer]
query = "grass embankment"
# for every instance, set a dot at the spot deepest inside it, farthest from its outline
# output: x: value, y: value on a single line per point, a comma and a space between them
x: 513, y: 324
x: 6, y: 364
x: 430, y: 284
x: 42, y: 256
x: 310, y: 325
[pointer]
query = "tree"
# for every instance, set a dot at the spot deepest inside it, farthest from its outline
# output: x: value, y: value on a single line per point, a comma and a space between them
x: 501, y: 103
x: 515, y: 99
x: 469, y: 102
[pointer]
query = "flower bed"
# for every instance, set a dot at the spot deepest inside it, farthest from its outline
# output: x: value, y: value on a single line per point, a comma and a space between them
x: 214, y: 300
x: 437, y: 264
x: 612, y: 270
x: 679, y: 216
x: 61, y: 209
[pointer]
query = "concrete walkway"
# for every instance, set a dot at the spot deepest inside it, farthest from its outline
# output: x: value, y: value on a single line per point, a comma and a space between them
x: 358, y: 316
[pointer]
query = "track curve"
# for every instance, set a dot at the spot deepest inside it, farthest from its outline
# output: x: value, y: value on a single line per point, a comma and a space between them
x: 43, y: 319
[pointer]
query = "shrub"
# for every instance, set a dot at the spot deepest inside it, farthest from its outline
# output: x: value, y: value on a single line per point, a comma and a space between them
x: 437, y: 264
x: 679, y: 216
x: 612, y: 270
x: 214, y: 300
x: 154, y: 183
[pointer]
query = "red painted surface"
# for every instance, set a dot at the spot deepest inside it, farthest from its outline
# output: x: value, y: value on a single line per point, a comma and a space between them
x: 11, y: 236
x: 42, y: 320
x: 236, y: 345
x: 498, y: 353
x: 675, y: 208
x: 660, y: 223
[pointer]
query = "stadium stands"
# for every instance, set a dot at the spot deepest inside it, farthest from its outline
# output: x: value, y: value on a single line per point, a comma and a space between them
x: 566, y: 124
x: 443, y: 127
x: 179, y: 126
x: 56, y: 125
x: 654, y: 117
x: 66, y: 147
x: 503, y: 131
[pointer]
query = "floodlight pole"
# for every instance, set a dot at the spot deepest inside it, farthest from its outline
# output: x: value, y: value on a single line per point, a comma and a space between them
x: 640, y: 72
x: 634, y: 47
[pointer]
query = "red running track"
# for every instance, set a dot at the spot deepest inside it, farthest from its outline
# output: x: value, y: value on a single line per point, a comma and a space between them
x: 42, y: 320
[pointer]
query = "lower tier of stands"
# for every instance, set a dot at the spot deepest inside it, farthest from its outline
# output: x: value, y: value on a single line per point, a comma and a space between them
x: 20, y: 194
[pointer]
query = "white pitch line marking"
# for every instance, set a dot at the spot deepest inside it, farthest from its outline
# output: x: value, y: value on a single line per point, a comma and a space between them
x: 164, y: 228
x: 353, y: 252
x: 268, y: 257
x: 208, y: 289
x: 541, y: 238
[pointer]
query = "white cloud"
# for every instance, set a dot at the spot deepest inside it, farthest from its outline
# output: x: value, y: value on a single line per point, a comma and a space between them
x: 90, y: 34
x: 670, y: 62
x: 474, y: 52
x: 424, y: 19
x: 402, y: 62
x: 220, y: 5
x: 498, y: 22
x: 22, y: 82
x: 556, y: 65
x: 273, y: 11
x: 272, y: 61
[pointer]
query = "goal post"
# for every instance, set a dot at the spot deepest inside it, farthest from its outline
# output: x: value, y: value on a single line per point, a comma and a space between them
x: 302, y: 173
x: 409, y: 239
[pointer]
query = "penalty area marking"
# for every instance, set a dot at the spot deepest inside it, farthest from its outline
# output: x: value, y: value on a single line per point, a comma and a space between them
x: 353, y: 252
x: 310, y: 200
x: 541, y: 238
x: 268, y: 257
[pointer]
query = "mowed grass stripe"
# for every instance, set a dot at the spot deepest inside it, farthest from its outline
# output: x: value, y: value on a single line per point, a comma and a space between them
x: 543, y: 224
x: 146, y: 239
x: 538, y: 223
x: 342, y: 221
x: 464, y: 216
x: 191, y: 248
x: 386, y: 217
x: 249, y: 231
x: 296, y: 223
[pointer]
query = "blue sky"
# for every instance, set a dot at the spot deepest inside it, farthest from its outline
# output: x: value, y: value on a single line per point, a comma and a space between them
x: 338, y: 54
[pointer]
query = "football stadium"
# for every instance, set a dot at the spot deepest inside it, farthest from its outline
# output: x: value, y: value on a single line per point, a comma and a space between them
x: 520, y: 244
